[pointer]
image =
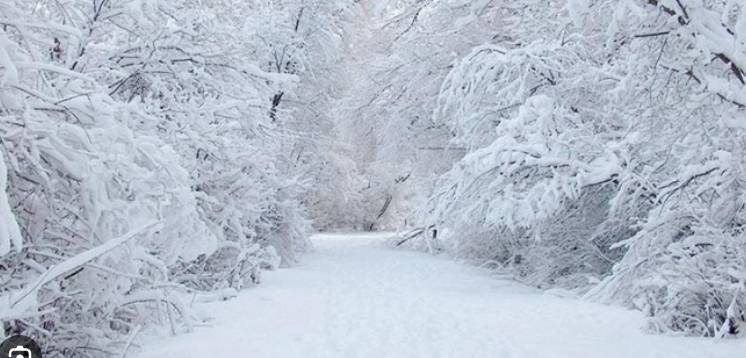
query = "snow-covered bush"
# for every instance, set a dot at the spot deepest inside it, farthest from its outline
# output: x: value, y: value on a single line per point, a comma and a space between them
x: 605, y: 147
x: 143, y: 168
x: 79, y: 186
x: 540, y: 174
x: 683, y: 267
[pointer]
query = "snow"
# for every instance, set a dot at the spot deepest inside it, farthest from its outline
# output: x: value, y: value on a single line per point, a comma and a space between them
x: 10, y: 235
x: 27, y: 294
x: 353, y: 297
x: 10, y: 72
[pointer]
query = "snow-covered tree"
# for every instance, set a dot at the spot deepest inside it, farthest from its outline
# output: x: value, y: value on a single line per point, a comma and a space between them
x: 603, y: 148
x: 143, y: 166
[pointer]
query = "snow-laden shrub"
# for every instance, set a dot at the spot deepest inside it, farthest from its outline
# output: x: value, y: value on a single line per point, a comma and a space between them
x: 685, y: 267
x: 613, y: 151
x: 540, y: 177
x: 142, y: 171
x: 103, y: 211
x: 211, y: 109
x: 76, y: 188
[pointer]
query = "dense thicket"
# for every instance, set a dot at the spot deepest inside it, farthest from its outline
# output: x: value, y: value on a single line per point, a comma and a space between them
x: 592, y: 145
x: 150, y: 157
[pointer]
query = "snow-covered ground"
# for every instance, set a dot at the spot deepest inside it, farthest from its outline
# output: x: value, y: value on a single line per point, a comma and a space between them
x: 353, y: 297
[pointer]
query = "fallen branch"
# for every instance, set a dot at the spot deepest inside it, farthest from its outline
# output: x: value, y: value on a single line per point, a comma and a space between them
x: 413, y: 234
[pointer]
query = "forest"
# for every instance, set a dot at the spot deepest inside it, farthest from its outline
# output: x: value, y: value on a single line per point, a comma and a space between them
x: 155, y: 154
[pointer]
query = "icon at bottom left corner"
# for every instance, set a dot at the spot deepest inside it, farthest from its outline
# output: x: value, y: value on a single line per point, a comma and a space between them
x: 19, y: 347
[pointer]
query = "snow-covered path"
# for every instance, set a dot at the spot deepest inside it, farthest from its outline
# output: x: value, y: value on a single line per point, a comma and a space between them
x: 354, y: 298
